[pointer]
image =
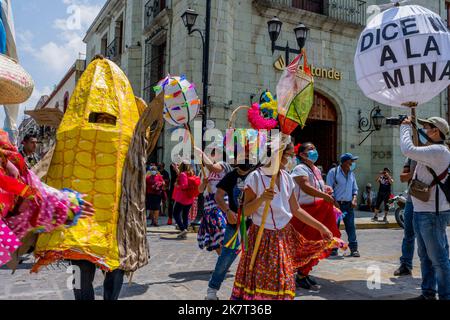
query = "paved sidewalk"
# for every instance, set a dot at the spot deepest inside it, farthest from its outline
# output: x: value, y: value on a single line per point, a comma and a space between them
x: 179, y: 270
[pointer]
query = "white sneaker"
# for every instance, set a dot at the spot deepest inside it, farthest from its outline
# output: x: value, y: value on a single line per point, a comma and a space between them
x: 182, y: 234
x: 211, y: 294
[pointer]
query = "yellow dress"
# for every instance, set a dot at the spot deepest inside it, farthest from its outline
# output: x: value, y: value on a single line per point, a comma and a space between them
x: 89, y: 158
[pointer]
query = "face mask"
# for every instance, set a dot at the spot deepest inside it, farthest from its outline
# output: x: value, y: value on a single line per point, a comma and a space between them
x: 313, y: 156
x: 297, y: 161
x: 245, y: 166
x: 153, y: 173
x: 290, y: 165
x: 423, y: 136
x: 353, y: 166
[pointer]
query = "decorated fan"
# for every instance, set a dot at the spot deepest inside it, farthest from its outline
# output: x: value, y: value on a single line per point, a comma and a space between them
x: 181, y: 102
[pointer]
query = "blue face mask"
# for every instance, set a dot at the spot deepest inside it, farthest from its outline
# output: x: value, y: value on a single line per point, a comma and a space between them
x: 423, y: 136
x: 353, y: 166
x: 313, y: 156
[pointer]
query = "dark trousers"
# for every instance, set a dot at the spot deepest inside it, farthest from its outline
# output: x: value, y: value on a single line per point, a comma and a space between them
x: 181, y: 215
x: 171, y: 203
x: 111, y: 286
x: 383, y: 196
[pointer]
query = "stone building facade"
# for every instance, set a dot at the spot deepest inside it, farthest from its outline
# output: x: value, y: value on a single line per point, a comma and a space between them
x: 155, y: 42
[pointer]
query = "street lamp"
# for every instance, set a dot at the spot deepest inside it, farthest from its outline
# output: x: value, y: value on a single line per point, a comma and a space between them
x: 300, y: 31
x: 189, y: 18
x: 374, y: 124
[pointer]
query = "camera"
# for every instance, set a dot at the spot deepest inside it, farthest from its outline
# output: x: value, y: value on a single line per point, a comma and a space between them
x: 396, y: 121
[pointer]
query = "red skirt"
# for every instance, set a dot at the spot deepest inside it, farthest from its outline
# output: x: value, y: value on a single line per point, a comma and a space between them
x: 280, y: 253
x: 324, y: 213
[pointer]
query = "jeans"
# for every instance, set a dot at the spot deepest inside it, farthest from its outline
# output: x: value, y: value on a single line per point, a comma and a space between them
x: 182, y: 221
x: 409, y: 237
x: 349, y: 222
x: 112, y: 284
x: 432, y: 247
x: 225, y: 259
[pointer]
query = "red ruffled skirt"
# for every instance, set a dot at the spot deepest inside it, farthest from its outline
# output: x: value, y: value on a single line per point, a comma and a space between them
x: 325, y: 213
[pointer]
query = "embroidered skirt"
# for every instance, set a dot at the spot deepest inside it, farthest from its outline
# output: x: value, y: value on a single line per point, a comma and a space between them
x: 280, y: 253
x: 212, y: 228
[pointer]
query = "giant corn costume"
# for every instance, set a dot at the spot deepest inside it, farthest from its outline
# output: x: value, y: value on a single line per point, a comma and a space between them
x: 89, y: 157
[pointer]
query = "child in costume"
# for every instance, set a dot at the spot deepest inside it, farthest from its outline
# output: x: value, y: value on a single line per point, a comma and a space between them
x: 212, y: 228
x: 315, y: 198
x: 282, y: 249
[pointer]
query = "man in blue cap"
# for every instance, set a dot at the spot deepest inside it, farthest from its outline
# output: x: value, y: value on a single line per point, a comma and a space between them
x: 343, y: 181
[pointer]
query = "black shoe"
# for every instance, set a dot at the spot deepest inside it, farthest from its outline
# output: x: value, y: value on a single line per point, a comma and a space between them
x: 402, y: 271
x: 302, y: 282
x: 423, y: 297
x: 355, y: 254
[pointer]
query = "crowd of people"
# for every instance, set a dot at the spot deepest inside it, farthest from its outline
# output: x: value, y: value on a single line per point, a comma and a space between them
x: 306, y: 209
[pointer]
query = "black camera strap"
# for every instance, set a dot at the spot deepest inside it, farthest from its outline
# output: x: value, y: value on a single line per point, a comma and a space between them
x: 437, y: 182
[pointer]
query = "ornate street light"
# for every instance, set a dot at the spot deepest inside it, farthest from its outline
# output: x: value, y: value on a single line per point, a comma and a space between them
x: 301, y: 34
x: 189, y: 18
x: 274, y: 25
x: 370, y: 125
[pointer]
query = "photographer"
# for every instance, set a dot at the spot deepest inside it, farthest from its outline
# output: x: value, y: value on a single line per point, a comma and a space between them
x: 384, y: 192
x: 431, y: 217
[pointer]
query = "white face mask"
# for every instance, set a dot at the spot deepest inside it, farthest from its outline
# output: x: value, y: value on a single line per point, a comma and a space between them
x: 290, y: 165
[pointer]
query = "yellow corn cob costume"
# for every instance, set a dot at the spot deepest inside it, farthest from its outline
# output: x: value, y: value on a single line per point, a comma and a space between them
x: 89, y: 158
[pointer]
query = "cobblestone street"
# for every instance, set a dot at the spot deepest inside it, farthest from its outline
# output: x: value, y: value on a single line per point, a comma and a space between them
x: 179, y: 270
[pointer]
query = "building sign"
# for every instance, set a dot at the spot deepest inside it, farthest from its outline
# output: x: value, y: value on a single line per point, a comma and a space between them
x: 317, y: 72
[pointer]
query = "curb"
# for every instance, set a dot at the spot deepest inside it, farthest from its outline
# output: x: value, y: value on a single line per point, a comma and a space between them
x: 373, y: 225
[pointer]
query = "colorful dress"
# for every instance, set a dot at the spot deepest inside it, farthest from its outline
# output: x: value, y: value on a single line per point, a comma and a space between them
x: 282, y: 249
x: 319, y: 209
x: 28, y: 205
x: 212, y: 228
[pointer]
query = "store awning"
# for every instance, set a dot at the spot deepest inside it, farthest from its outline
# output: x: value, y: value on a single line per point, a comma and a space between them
x: 50, y: 117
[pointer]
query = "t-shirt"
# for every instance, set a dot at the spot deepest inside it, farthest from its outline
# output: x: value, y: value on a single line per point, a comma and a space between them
x: 385, y: 185
x: 315, y: 180
x: 233, y: 184
x: 280, y: 211
x: 214, y: 178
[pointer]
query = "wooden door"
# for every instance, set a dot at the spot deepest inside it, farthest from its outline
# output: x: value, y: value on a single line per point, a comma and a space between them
x: 321, y: 129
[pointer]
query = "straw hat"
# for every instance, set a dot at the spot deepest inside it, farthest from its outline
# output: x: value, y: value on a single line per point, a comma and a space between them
x: 16, y: 85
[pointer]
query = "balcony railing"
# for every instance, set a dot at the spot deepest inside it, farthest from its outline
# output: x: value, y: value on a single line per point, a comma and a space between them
x: 350, y: 11
x: 152, y: 9
x: 112, y: 51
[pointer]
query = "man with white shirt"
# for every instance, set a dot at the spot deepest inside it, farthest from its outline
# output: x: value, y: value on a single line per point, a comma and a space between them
x: 432, y: 217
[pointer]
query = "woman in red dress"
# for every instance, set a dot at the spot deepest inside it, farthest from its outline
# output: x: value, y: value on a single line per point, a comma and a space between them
x: 315, y: 198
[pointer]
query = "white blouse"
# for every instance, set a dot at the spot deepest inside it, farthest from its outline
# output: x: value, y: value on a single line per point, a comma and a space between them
x: 280, y: 211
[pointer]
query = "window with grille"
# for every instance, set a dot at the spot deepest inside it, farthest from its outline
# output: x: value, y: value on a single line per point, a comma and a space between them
x: 155, y: 60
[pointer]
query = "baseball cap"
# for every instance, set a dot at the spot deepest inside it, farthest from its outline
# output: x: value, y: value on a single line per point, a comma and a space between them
x: 369, y: 185
x: 438, y: 122
x: 348, y: 156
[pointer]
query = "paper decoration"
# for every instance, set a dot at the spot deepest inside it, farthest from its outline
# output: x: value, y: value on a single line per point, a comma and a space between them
x: 295, y: 92
x: 403, y: 55
x: 181, y: 102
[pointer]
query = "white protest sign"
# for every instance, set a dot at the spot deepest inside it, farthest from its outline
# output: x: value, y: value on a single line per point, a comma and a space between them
x: 403, y: 55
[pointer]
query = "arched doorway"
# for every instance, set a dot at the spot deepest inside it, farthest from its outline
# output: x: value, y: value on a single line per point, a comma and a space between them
x: 321, y: 129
